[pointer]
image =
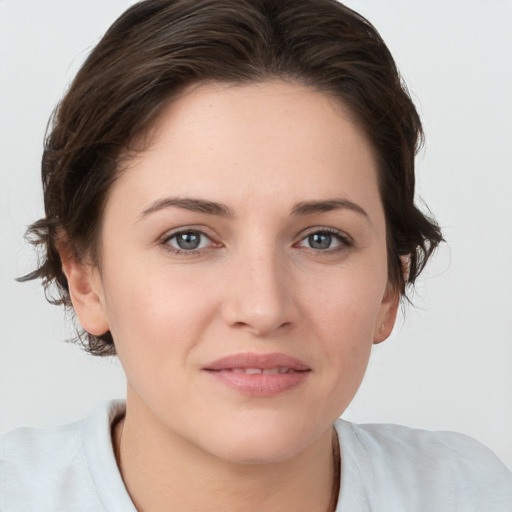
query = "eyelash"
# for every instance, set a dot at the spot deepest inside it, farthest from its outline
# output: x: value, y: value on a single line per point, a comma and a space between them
x: 345, y: 242
x: 191, y: 252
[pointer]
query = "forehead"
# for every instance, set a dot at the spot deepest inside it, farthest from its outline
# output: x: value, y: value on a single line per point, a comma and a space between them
x: 236, y: 143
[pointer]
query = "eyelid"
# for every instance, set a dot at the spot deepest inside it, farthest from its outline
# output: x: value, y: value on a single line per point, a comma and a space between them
x: 326, y: 229
x: 201, y: 230
x: 346, y: 241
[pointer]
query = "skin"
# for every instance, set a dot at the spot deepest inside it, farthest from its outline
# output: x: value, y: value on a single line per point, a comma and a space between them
x: 256, y: 284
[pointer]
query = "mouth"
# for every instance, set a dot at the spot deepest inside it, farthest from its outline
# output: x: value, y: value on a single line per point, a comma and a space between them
x: 258, y: 363
x: 259, y: 375
x: 263, y: 371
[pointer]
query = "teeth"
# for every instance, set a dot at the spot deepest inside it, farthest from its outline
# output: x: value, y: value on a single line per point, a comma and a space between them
x: 252, y: 371
x: 256, y: 371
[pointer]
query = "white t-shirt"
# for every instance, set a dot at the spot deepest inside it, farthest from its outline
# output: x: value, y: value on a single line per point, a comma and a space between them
x: 384, y: 468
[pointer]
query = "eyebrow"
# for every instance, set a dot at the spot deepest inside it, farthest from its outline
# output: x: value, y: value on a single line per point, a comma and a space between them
x: 311, y: 207
x: 193, y: 205
x: 302, y: 208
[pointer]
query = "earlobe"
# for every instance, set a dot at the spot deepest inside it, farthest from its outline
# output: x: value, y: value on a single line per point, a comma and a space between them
x: 387, y: 315
x: 86, y: 293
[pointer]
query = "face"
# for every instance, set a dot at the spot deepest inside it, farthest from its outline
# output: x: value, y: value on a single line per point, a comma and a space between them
x: 243, y: 270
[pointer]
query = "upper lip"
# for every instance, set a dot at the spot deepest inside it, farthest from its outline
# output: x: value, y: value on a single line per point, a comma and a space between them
x: 253, y: 360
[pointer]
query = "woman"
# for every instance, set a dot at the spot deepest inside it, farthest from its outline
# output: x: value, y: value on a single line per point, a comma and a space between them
x: 229, y: 195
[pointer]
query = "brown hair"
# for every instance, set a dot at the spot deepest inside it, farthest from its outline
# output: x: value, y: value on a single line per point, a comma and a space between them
x: 158, y: 47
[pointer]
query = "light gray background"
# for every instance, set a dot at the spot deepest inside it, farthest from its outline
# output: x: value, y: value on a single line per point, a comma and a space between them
x: 448, y: 364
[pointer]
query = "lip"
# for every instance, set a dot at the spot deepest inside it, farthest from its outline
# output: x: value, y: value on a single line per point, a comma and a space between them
x: 229, y: 371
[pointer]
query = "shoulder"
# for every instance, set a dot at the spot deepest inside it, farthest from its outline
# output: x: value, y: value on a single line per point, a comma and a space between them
x: 35, y: 462
x: 448, y: 470
x: 47, y: 469
x: 402, y: 443
x: 37, y: 445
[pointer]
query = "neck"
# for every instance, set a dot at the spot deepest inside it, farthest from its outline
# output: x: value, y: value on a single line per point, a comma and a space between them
x: 165, y: 473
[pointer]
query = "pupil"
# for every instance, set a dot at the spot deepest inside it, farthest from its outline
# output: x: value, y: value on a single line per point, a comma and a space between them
x: 189, y: 240
x: 320, y: 240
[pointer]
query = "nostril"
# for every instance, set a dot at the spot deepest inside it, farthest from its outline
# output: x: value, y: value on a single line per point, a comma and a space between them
x: 260, y: 328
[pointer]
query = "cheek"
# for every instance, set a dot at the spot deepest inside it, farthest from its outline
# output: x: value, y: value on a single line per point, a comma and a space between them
x: 345, y: 304
x: 343, y: 318
x: 344, y: 343
x: 156, y: 314
x: 347, y: 334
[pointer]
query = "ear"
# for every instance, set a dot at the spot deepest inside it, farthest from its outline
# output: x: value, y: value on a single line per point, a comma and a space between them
x: 389, y: 306
x: 387, y: 314
x: 86, y: 292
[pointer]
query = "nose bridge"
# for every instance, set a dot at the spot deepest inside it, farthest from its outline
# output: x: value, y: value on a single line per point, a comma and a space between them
x: 261, y: 291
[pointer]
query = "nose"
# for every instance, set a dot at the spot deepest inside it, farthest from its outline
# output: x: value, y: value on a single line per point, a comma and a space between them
x: 260, y: 294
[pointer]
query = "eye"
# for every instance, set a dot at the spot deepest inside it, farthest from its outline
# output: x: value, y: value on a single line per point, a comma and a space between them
x: 188, y: 241
x: 323, y: 240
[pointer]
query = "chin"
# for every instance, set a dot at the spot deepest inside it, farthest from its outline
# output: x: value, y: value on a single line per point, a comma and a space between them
x: 261, y: 441
x: 260, y: 451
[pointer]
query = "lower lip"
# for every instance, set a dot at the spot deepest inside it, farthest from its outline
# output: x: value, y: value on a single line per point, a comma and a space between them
x: 260, y: 384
